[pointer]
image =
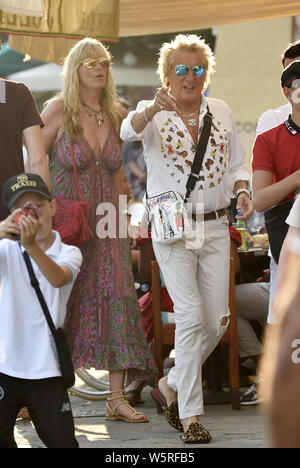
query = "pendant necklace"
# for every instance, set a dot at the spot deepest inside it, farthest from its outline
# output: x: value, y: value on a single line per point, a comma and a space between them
x: 98, y: 116
x: 191, y: 122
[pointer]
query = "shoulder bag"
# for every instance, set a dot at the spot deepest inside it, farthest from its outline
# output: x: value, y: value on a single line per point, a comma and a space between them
x: 59, y: 334
x: 166, y: 211
x: 71, y: 217
x: 276, y: 226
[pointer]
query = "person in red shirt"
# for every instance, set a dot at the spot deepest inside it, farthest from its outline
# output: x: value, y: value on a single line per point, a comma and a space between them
x: 276, y: 164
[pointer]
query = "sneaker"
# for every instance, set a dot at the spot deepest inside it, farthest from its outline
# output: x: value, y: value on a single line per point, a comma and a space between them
x: 250, y: 397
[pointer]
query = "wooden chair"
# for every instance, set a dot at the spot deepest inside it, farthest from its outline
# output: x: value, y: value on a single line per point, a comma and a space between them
x: 164, y: 333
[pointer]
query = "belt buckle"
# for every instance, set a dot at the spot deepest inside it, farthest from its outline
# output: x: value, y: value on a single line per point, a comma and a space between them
x: 217, y: 214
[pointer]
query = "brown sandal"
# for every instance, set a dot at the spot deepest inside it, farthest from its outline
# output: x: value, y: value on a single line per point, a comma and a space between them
x: 113, y: 415
x: 134, y: 397
x: 196, y: 434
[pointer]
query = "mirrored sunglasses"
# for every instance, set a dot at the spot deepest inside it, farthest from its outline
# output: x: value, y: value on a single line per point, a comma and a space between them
x: 91, y: 63
x: 182, y: 70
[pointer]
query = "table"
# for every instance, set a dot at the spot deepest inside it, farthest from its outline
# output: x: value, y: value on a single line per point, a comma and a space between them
x: 253, y: 262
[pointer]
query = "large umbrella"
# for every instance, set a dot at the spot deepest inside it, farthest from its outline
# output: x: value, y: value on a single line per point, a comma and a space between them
x: 12, y: 61
x: 48, y: 77
x: 109, y: 19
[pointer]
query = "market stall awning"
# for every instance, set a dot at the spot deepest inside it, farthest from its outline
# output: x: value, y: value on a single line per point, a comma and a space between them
x: 67, y: 19
x: 24, y: 7
x: 139, y: 17
x: 109, y: 19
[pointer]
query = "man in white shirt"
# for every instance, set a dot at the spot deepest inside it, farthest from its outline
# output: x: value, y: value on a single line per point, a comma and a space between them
x: 273, y: 117
x: 29, y: 371
x: 196, y: 269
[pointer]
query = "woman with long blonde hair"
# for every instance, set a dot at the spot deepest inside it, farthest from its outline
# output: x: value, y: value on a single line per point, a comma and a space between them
x: 103, y: 318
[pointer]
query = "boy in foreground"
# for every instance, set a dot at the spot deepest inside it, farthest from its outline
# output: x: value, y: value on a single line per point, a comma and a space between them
x: 29, y: 369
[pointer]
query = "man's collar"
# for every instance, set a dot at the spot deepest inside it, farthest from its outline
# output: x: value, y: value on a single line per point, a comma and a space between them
x: 291, y: 127
x: 204, y: 104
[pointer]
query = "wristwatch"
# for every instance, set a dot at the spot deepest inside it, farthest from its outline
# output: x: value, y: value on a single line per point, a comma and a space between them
x: 242, y: 190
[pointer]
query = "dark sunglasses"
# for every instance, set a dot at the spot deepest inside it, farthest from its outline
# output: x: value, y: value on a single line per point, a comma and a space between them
x: 182, y: 70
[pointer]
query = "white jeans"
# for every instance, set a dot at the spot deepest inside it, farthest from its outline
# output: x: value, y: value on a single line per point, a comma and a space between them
x: 273, y: 287
x: 197, y: 282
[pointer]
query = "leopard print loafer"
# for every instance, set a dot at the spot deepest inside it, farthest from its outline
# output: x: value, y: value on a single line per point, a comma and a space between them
x: 196, y: 434
x: 172, y: 415
x: 171, y: 412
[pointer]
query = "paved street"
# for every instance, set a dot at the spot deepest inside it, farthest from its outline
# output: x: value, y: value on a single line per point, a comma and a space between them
x: 230, y: 429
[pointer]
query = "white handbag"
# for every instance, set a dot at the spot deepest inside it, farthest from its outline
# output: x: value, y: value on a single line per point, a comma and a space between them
x: 167, y: 211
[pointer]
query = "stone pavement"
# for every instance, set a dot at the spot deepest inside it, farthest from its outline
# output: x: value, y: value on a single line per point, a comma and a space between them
x: 230, y: 429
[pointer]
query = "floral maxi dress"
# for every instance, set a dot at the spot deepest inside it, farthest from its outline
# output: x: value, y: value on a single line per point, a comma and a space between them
x: 103, y: 316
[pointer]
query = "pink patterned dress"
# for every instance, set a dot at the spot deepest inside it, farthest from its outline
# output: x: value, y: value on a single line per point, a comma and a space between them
x: 103, y: 316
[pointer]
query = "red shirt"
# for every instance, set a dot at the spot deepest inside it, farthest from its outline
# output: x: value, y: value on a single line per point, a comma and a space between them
x: 278, y: 151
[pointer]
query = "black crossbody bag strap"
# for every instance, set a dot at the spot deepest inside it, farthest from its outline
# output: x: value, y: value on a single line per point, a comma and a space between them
x: 200, y: 152
x: 63, y: 351
x: 36, y: 286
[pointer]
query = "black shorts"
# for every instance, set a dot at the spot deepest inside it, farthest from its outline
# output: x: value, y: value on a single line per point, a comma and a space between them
x: 49, y: 407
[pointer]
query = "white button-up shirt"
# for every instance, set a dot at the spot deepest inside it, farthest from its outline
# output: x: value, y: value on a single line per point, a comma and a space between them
x: 169, y: 151
x: 27, y: 349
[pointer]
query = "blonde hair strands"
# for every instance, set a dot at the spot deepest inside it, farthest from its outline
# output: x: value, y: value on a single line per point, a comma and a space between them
x: 86, y: 48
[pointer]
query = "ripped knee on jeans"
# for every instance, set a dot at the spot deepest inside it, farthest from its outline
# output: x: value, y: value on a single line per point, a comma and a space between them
x: 224, y: 321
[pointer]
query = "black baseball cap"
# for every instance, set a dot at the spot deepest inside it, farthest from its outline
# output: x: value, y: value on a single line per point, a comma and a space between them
x: 290, y: 73
x: 23, y: 183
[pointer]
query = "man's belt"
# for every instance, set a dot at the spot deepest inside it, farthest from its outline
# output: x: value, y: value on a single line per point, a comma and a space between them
x: 211, y: 215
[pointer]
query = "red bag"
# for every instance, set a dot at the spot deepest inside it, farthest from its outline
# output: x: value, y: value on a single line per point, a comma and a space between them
x: 71, y: 217
x: 70, y: 221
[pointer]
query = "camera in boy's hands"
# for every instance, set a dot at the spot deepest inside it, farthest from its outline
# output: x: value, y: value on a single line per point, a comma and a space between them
x: 29, y: 209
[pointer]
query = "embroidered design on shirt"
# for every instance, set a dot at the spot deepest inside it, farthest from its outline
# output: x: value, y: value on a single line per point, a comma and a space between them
x: 1, y: 393
x: 178, y: 152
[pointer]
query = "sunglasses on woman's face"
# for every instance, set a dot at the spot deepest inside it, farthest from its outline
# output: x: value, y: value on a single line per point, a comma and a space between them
x: 91, y: 63
x: 182, y: 70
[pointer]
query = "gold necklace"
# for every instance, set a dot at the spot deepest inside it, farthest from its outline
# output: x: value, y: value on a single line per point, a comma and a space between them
x: 191, y: 122
x: 98, y: 116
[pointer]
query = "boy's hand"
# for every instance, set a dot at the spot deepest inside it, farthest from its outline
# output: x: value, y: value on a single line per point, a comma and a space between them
x: 8, y: 227
x: 28, y: 229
